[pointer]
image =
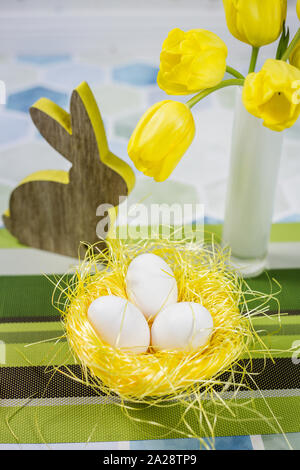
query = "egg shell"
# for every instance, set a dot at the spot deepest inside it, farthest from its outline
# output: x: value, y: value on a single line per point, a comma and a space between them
x: 150, y: 284
x: 185, y: 326
x: 120, y: 324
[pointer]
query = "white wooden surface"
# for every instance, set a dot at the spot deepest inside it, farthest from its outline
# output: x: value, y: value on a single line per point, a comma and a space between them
x: 106, y: 26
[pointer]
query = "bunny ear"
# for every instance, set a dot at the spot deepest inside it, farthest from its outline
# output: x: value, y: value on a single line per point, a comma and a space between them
x: 54, y: 124
x: 84, y: 110
x: 86, y: 115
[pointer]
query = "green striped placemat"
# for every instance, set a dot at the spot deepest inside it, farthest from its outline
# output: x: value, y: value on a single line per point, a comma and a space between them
x: 38, y: 405
x: 286, y: 232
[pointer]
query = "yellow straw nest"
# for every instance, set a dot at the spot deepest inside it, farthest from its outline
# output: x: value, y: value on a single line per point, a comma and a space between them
x: 202, y: 276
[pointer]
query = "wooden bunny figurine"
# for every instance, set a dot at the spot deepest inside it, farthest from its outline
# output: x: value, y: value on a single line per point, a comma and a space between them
x: 56, y: 210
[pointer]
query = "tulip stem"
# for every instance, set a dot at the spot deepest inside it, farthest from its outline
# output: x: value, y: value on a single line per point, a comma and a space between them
x: 204, y: 93
x: 253, y: 61
x: 291, y: 47
x: 234, y: 72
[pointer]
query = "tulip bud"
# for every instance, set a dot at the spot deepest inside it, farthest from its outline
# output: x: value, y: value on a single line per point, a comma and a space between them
x: 160, y: 138
x: 298, y: 9
x: 255, y: 22
x: 271, y: 94
x: 191, y: 61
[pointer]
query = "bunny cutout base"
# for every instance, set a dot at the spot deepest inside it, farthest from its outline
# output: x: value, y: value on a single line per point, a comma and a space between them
x: 57, y: 210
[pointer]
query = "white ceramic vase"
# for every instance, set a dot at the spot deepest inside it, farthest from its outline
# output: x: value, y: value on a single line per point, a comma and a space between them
x: 254, y: 168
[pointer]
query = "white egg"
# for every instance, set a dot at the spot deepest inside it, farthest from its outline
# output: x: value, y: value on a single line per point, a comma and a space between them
x: 120, y: 324
x: 185, y: 326
x: 150, y: 284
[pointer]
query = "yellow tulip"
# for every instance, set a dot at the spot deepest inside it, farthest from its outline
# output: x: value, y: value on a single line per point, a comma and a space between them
x: 271, y: 94
x: 256, y: 22
x: 161, y: 137
x: 298, y: 9
x: 191, y: 61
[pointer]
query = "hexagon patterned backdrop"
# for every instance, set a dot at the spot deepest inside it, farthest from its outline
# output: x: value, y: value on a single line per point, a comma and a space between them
x: 124, y: 90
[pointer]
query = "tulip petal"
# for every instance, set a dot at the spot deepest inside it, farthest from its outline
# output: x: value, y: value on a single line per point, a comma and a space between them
x: 161, y: 137
x: 269, y: 94
x: 255, y: 22
x: 191, y: 61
